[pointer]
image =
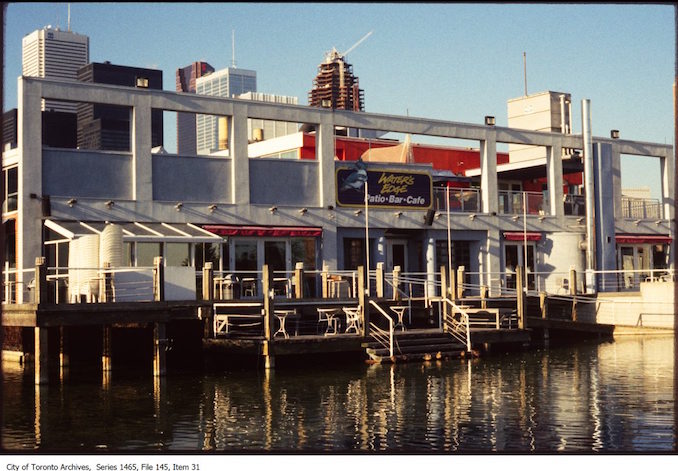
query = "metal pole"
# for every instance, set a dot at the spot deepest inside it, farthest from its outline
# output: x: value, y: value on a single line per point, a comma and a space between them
x: 590, y: 200
x: 449, y: 236
x: 525, y: 237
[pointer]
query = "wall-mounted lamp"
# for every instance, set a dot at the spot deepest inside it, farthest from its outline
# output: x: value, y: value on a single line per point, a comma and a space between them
x: 636, y: 222
x: 303, y: 210
x: 658, y: 222
x: 489, y: 121
x: 580, y: 220
x: 109, y: 204
x: 542, y: 217
x: 330, y: 207
x: 515, y: 218
x: 273, y: 209
x: 212, y: 207
x: 358, y: 212
x: 178, y: 206
x: 614, y: 134
x: 471, y: 216
x: 71, y: 202
x: 398, y: 214
x: 438, y: 215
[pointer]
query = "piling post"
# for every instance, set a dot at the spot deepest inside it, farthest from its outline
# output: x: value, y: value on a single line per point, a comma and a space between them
x: 542, y: 305
x: 40, y: 280
x: 396, y: 282
x: 107, y: 283
x: 460, y: 281
x: 269, y: 318
x: 520, y: 297
x: 363, y: 301
x: 380, y: 279
x: 299, y: 280
x: 483, y: 297
x: 158, y: 279
x: 573, y: 292
x: 453, y: 285
x: 208, y: 295
x: 159, y: 349
x: 41, y: 355
x: 324, y: 281
x: 106, y: 348
x: 64, y: 359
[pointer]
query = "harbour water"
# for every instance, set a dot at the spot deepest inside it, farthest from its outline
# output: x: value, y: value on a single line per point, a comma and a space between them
x: 592, y: 397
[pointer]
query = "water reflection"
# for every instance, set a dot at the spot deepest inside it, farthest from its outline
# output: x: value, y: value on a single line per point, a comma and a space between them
x: 601, y: 397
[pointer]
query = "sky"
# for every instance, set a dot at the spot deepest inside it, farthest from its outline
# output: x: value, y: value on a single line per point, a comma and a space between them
x: 456, y: 62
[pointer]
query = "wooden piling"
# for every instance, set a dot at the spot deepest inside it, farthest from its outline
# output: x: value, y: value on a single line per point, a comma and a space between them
x: 324, y: 278
x: 299, y: 280
x: 269, y: 318
x: 396, y: 282
x: 207, y: 312
x: 573, y: 292
x: 107, y: 348
x: 158, y: 279
x: 483, y: 297
x: 363, y: 301
x: 460, y: 281
x: 520, y: 297
x: 453, y: 285
x: 40, y: 280
x: 159, y: 349
x: 64, y: 357
x: 445, y: 293
x: 380, y: 279
x: 542, y: 305
x: 106, y: 287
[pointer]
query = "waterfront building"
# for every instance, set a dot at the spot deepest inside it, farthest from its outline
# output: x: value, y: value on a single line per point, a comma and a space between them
x: 260, y: 129
x: 211, y: 130
x: 52, y: 53
x: 107, y: 127
x: 251, y: 207
x: 186, y: 77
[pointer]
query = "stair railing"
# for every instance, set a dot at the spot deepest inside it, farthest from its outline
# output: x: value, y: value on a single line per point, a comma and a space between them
x: 458, y: 324
x: 391, y: 330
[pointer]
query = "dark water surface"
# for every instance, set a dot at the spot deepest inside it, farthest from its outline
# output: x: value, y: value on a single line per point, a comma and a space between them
x: 599, y: 397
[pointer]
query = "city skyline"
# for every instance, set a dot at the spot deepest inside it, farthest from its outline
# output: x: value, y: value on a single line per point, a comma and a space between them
x: 621, y: 57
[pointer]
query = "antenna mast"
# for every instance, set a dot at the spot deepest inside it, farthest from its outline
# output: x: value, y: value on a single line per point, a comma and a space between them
x: 233, y: 48
x: 525, y: 71
x: 69, y: 17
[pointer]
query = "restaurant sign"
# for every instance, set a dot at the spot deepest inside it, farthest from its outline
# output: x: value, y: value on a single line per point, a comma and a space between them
x: 386, y: 188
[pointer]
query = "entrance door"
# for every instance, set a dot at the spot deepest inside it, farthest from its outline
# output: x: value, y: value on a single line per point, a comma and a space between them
x: 396, y: 255
x: 514, y: 255
x: 275, y: 256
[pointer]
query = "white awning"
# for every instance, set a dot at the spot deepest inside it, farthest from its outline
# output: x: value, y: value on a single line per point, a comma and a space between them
x: 136, y: 231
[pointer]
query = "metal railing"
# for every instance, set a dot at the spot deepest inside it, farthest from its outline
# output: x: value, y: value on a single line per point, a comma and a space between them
x: 462, y: 200
x: 458, y: 324
x: 574, y: 205
x: 511, y: 202
x: 385, y: 338
x: 630, y: 280
x: 641, y: 208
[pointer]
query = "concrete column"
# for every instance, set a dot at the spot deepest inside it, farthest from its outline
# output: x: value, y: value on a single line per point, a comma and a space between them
x: 324, y: 151
x: 554, y: 174
x: 240, y: 171
x: 668, y: 182
x: 492, y: 261
x: 330, y: 246
x: 41, y: 355
x: 40, y: 287
x: 159, y: 349
x: 142, y: 163
x: 488, y: 177
x: 616, y: 181
x: 29, y: 222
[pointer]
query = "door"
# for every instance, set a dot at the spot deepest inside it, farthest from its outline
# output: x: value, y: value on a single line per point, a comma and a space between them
x: 514, y: 256
x: 396, y: 255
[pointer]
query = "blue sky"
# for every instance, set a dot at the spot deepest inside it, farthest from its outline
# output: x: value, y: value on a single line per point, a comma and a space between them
x: 456, y: 62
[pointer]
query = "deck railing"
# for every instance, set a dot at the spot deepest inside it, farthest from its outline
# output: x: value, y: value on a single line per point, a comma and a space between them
x: 464, y: 200
x: 511, y: 202
x: 641, y: 208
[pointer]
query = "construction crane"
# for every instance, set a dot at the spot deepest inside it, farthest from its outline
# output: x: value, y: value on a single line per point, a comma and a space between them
x: 334, y: 54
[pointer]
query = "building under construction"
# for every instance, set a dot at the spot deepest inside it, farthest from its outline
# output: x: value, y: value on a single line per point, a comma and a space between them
x: 335, y: 86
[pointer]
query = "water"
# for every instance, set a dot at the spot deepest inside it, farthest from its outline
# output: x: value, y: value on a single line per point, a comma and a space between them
x: 607, y: 397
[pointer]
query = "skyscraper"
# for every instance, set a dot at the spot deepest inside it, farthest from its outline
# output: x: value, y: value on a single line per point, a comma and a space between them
x: 227, y: 82
x: 335, y: 86
x: 52, y: 53
x: 107, y: 127
x: 186, y: 78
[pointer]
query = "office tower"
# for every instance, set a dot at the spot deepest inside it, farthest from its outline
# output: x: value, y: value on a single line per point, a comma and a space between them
x: 260, y: 129
x: 186, y: 78
x: 107, y: 127
x: 52, y: 53
x: 212, y: 131
x: 335, y: 86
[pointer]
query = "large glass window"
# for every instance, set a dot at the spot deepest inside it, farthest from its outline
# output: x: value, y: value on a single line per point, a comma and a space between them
x: 177, y: 254
x: 146, y: 252
x: 206, y: 252
x: 11, y: 177
x: 354, y: 253
x: 10, y: 242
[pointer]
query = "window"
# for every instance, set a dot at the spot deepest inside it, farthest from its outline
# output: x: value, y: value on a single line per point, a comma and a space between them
x: 354, y: 253
x: 146, y: 252
x: 177, y: 254
x: 11, y: 176
x: 142, y: 82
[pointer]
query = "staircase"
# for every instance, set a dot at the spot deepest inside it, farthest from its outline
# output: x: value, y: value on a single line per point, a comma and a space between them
x: 414, y: 346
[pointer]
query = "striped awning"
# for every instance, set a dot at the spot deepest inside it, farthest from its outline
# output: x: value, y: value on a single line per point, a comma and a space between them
x: 642, y: 239
x: 520, y: 236
x: 263, y: 231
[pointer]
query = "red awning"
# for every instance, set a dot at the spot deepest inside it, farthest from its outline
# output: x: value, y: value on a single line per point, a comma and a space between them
x: 519, y: 236
x: 642, y: 239
x: 264, y: 231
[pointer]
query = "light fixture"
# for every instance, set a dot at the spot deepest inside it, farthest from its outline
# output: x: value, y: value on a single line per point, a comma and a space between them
x: 471, y: 216
x: 178, y: 206
x: 438, y: 215
x: 542, y: 217
x: 330, y: 207
x: 212, y: 207
x: 71, y: 202
x: 303, y: 210
x: 358, y: 212
x: 580, y: 220
x: 273, y: 209
x: 398, y: 214
x: 614, y: 134
x: 109, y: 204
x: 636, y: 222
x: 516, y: 217
x: 489, y: 121
x: 658, y: 222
